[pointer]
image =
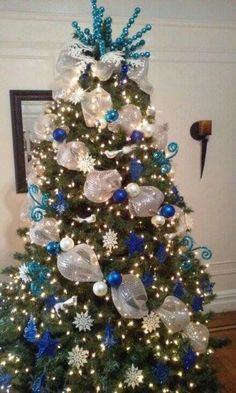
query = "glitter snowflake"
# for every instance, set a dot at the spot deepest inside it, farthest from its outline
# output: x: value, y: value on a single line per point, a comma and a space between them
x: 133, y: 377
x: 77, y: 95
x: 24, y: 273
x: 83, y: 321
x: 86, y: 163
x: 78, y: 357
x: 76, y: 50
x: 110, y: 240
x: 151, y: 322
x: 113, y: 57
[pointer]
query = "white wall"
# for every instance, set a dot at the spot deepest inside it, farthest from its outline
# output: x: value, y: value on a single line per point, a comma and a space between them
x: 194, y: 74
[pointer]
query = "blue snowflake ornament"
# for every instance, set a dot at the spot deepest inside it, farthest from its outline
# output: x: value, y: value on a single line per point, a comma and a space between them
x: 179, y: 290
x: 136, y: 170
x: 207, y: 286
x: 30, y: 330
x: 161, y: 254
x: 161, y: 372
x: 5, y: 381
x: 47, y: 346
x: 50, y: 302
x: 189, y: 359
x: 60, y: 205
x: 109, y: 340
x: 134, y: 244
x: 147, y: 279
x: 197, y: 303
x: 39, y: 385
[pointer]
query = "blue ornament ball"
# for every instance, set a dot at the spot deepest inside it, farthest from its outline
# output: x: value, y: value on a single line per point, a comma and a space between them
x: 124, y: 68
x: 136, y: 136
x: 167, y: 211
x: 59, y: 135
x: 120, y: 195
x: 111, y: 115
x: 114, y: 278
x: 53, y: 248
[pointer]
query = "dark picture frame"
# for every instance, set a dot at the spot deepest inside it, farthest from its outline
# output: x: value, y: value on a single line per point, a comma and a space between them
x: 16, y: 98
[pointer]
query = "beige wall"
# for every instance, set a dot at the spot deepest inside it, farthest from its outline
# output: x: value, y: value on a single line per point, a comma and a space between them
x: 193, y: 70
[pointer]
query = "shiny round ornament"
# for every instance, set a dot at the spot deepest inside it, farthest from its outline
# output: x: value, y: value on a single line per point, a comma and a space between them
x: 133, y: 189
x: 148, y: 130
x: 53, y: 248
x: 158, y: 221
x: 136, y: 136
x: 120, y: 195
x: 111, y: 115
x: 100, y: 288
x: 67, y: 243
x: 59, y: 135
x: 114, y: 278
x: 167, y: 211
x: 130, y: 117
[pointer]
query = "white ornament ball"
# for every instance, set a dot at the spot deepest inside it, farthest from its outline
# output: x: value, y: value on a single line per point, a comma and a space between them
x: 100, y: 288
x: 148, y: 130
x: 67, y: 243
x: 133, y: 189
x: 158, y: 221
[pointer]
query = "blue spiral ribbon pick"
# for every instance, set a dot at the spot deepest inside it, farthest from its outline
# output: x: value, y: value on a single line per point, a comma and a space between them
x: 188, y: 242
x: 38, y: 211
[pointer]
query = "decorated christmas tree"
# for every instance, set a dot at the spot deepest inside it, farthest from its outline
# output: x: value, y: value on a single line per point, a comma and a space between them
x: 110, y: 290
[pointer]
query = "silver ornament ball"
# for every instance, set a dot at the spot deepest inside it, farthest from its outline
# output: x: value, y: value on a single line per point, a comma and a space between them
x: 100, y: 288
x: 158, y: 220
x: 133, y: 189
x: 67, y: 243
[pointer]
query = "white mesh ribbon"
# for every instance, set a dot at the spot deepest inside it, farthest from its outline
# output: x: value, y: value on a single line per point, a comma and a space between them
x: 198, y: 335
x: 70, y: 153
x: 44, y: 231
x: 130, y: 297
x: 80, y: 264
x: 44, y: 126
x: 147, y: 202
x: 95, y: 105
x: 174, y: 314
x: 103, y: 71
x: 139, y: 74
x: 100, y: 185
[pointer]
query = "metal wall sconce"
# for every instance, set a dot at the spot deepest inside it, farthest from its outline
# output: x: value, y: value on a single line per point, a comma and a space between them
x: 200, y: 131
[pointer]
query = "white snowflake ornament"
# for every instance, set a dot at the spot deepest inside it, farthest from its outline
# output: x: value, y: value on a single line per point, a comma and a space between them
x: 77, y: 95
x: 133, y: 376
x: 24, y: 273
x: 151, y: 322
x: 83, y: 321
x: 110, y: 240
x: 86, y: 163
x: 78, y: 357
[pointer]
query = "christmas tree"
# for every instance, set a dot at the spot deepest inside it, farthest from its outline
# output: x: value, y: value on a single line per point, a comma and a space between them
x: 110, y: 290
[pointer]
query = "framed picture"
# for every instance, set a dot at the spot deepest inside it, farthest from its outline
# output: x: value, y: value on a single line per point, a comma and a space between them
x: 26, y: 106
